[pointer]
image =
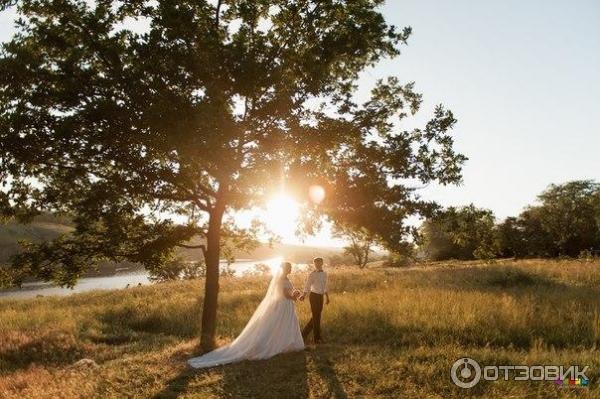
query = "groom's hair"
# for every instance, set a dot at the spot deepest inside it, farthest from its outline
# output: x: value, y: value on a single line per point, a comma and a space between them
x: 318, y: 261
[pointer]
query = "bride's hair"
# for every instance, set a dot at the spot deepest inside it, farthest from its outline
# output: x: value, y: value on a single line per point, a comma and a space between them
x: 286, y: 267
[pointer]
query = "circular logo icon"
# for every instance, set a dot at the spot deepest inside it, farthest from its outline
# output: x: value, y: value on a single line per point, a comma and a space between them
x: 465, y: 372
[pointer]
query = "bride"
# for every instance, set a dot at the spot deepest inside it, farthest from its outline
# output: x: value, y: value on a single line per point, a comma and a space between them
x: 272, y: 329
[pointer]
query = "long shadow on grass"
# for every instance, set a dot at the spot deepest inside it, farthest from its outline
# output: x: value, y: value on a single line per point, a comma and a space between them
x: 283, y: 376
x: 122, y: 324
x: 48, y: 350
x: 124, y: 327
x: 178, y: 385
x: 146, y: 329
x: 324, y: 368
x: 182, y: 322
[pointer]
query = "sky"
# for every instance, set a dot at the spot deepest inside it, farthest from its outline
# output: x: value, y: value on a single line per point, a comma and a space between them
x: 523, y: 80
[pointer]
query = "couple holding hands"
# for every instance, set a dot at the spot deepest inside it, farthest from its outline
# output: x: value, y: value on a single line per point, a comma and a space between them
x: 274, y: 327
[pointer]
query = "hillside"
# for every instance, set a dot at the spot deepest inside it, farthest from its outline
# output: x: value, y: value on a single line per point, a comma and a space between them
x: 47, y: 227
x: 388, y: 332
x: 294, y: 253
x: 41, y: 229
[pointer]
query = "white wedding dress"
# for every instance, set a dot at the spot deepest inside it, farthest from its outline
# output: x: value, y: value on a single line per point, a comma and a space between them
x: 272, y: 329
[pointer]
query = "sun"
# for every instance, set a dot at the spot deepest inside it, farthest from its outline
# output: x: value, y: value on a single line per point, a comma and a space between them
x: 274, y: 264
x: 281, y: 216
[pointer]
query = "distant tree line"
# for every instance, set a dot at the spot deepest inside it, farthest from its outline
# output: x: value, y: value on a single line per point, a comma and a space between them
x: 564, y: 222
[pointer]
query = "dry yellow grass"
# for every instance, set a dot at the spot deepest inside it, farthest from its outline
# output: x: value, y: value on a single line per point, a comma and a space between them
x: 390, y: 333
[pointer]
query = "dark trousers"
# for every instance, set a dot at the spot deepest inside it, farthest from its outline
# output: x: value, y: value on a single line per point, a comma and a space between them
x: 316, y: 307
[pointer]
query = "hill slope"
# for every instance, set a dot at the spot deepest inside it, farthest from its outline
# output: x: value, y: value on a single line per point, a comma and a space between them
x: 43, y: 228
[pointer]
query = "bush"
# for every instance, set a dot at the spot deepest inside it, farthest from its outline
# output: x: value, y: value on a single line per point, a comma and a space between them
x: 194, y: 270
x: 227, y: 271
x: 399, y: 259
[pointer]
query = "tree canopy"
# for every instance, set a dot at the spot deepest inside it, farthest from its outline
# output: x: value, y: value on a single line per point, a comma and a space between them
x: 565, y: 222
x: 126, y: 113
x: 459, y: 233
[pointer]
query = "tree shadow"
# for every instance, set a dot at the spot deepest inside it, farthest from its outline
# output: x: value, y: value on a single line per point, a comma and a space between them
x: 48, y: 350
x: 182, y: 322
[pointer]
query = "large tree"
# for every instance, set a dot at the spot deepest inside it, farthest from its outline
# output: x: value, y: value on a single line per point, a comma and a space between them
x: 125, y: 113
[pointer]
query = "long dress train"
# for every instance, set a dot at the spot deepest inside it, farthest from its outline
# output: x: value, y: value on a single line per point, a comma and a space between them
x: 272, y: 329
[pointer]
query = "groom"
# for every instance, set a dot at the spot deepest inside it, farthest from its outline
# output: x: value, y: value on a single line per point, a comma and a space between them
x: 316, y: 285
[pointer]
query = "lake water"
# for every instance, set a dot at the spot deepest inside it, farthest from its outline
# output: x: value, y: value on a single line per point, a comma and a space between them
x: 121, y: 280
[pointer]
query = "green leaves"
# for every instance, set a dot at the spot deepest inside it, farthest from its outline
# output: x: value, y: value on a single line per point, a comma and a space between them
x: 565, y: 223
x: 459, y: 233
x: 128, y: 113
x: 5, y: 4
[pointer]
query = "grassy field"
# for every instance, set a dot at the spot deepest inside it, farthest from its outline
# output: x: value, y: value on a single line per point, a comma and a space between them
x: 389, y: 332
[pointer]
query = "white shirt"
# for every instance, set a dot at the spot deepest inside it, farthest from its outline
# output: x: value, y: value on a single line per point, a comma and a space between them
x: 316, y: 282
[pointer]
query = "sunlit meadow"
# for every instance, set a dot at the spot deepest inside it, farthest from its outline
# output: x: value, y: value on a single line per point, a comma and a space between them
x: 386, y: 330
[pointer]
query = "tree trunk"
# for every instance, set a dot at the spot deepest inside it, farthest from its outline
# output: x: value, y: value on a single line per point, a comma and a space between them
x: 211, y: 285
x: 358, y: 258
x: 366, y: 257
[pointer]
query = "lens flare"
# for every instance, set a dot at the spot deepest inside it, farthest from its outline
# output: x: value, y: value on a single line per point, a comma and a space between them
x: 316, y: 193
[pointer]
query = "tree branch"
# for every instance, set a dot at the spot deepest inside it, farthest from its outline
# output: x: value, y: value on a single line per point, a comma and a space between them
x: 218, y: 12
